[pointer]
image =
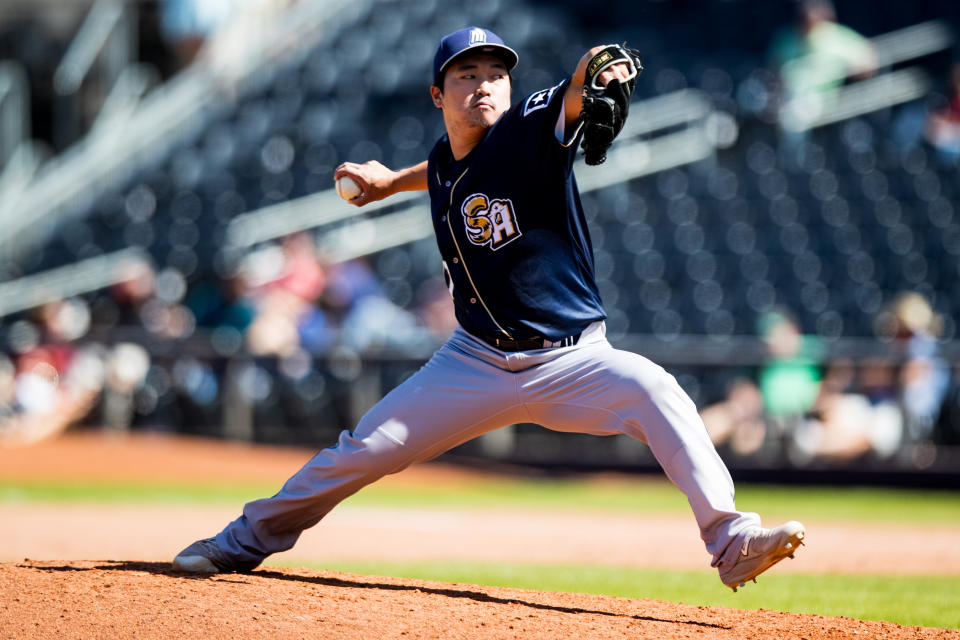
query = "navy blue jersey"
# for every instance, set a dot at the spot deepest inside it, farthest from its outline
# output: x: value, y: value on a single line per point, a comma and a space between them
x: 511, y: 229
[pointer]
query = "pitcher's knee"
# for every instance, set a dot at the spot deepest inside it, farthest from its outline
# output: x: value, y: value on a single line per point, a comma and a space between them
x: 376, y: 454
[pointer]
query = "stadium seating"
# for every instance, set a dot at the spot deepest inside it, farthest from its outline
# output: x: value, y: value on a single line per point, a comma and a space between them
x: 700, y: 249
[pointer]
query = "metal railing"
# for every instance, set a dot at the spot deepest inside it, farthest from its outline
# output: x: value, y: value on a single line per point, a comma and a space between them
x: 14, y: 109
x: 173, y: 112
x: 103, y: 47
x: 74, y: 279
x: 912, y: 42
x: 866, y: 96
x: 121, y: 103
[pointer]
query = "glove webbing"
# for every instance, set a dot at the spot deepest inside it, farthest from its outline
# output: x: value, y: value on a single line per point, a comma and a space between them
x: 610, y: 55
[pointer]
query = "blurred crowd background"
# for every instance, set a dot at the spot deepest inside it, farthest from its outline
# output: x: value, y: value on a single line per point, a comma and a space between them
x: 778, y: 224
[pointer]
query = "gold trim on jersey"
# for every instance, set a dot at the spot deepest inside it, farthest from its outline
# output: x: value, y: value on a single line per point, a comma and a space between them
x: 463, y: 262
x: 572, y: 136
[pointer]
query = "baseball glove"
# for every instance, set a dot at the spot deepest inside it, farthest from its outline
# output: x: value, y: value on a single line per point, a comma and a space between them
x: 605, y: 108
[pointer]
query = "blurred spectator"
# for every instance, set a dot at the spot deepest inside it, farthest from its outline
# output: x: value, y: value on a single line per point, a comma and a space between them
x: 212, y: 303
x: 892, y: 400
x: 943, y: 125
x: 288, y: 282
x: 817, y: 54
x: 54, y: 383
x: 787, y: 388
x: 187, y: 24
x: 813, y: 57
x: 135, y: 286
x: 274, y: 329
x: 924, y: 376
x: 790, y: 381
x: 226, y: 308
x: 837, y: 415
x: 853, y: 415
x: 348, y: 283
x: 738, y: 421
x: 302, y: 274
x: 368, y: 319
x: 230, y: 28
x: 153, y: 300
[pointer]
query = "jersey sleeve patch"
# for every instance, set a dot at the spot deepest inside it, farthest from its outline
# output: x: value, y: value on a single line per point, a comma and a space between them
x: 538, y: 100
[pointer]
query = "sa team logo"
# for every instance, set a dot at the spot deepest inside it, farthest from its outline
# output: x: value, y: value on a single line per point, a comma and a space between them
x: 491, y: 222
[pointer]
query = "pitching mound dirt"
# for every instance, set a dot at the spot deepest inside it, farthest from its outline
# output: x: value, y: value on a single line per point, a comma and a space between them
x: 146, y: 600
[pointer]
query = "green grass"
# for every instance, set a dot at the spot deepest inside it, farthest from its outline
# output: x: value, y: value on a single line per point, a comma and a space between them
x: 623, y: 495
x: 924, y: 601
x: 129, y: 492
x: 860, y: 504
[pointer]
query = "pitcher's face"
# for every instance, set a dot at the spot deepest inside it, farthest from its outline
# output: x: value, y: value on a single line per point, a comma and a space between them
x: 476, y: 91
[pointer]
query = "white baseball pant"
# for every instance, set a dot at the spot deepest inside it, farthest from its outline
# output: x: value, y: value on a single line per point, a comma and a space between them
x: 469, y: 388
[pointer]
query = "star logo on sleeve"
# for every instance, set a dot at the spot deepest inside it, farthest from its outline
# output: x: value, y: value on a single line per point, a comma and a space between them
x: 538, y: 100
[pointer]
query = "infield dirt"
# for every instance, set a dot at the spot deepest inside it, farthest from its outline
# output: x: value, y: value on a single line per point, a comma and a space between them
x: 108, y: 599
x: 135, y: 595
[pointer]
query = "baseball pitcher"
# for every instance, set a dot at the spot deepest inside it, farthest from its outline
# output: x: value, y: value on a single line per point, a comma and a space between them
x: 530, y: 346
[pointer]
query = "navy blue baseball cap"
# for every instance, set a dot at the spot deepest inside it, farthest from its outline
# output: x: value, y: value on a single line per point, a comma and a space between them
x: 471, y: 40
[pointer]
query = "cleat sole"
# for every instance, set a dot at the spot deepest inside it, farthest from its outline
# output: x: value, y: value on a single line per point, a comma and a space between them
x: 788, y: 547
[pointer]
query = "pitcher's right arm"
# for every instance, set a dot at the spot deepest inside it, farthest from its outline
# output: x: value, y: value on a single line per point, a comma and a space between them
x: 378, y: 182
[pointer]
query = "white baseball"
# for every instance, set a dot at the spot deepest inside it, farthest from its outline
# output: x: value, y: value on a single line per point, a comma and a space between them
x: 348, y: 189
